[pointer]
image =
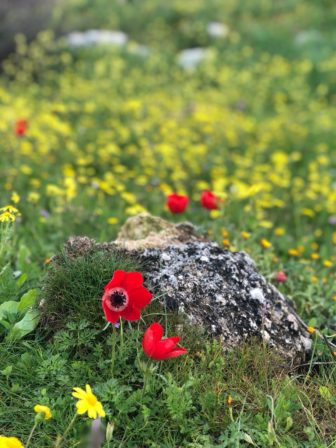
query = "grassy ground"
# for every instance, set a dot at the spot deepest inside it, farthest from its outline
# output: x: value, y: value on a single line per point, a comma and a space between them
x: 110, y: 133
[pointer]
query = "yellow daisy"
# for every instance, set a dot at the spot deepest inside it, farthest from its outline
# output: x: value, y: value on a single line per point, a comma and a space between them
x: 40, y: 409
x: 10, y: 442
x: 88, y: 402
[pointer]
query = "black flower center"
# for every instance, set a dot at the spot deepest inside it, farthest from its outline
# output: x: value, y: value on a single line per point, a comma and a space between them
x: 118, y: 299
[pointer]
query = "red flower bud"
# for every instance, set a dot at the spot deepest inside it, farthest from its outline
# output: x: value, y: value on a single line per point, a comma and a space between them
x: 157, y: 348
x: 20, y: 127
x: 281, y: 277
x: 209, y: 200
x: 177, y: 203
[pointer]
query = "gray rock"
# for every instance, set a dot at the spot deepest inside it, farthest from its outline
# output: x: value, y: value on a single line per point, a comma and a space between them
x: 218, y: 290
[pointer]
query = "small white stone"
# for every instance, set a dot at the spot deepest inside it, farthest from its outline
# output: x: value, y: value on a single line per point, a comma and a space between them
x: 257, y: 294
x: 265, y: 335
x: 94, y: 37
x: 191, y: 57
x: 217, y: 29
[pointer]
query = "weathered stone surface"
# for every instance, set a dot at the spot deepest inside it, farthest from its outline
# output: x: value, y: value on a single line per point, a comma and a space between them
x: 219, y: 290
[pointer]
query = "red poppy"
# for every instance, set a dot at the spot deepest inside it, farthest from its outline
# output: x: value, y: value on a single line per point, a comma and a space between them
x: 156, y: 348
x: 177, y: 203
x: 209, y: 200
x: 124, y: 296
x: 281, y: 277
x: 20, y: 127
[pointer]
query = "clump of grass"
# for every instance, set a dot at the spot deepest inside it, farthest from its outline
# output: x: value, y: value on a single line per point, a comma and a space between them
x: 73, y: 286
x: 185, y: 402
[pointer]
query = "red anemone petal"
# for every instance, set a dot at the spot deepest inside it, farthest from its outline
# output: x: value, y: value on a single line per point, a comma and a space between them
x: 177, y: 352
x: 132, y: 280
x: 116, y: 280
x: 151, y: 338
x: 130, y: 313
x: 111, y: 316
x: 168, y: 344
x: 140, y: 296
x: 156, y: 330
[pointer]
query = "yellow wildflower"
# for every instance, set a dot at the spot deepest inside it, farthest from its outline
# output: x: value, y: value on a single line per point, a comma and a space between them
x: 266, y: 224
x: 33, y: 197
x: 10, y: 442
x: 293, y: 252
x: 311, y: 330
x: 15, y: 197
x: 279, y: 231
x: 314, y: 256
x: 229, y: 400
x: 226, y: 243
x: 245, y: 235
x: 215, y: 214
x: 88, y: 402
x: 112, y: 220
x: 308, y: 212
x: 40, y: 409
x: 10, y: 209
x: 327, y: 263
x: 265, y: 243
x: 7, y: 217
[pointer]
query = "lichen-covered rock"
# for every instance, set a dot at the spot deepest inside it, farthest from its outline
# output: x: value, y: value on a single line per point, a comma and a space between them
x: 145, y: 231
x: 216, y: 289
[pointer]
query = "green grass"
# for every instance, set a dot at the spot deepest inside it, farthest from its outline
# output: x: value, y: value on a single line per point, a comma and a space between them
x: 73, y: 287
x: 184, y: 402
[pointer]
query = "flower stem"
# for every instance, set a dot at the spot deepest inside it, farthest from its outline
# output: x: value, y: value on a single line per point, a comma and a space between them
x: 113, y: 355
x: 70, y: 425
x: 31, y: 434
x: 145, y: 378
x: 121, y: 337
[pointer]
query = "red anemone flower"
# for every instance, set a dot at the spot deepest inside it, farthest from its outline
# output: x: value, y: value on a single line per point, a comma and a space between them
x: 20, y: 127
x: 124, y: 296
x: 281, y: 277
x: 157, y: 348
x: 177, y: 203
x: 209, y: 200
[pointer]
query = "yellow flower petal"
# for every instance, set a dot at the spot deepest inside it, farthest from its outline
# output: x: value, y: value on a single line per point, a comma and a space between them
x: 40, y: 409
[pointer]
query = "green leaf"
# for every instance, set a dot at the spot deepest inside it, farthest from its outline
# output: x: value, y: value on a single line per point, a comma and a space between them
x: 9, y: 307
x: 7, y: 371
x: 24, y: 326
x: 325, y: 393
x: 248, y: 439
x: 20, y: 281
x: 27, y: 300
x: 8, y: 286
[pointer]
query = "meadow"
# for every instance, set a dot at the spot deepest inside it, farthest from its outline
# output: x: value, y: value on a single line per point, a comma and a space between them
x: 90, y: 136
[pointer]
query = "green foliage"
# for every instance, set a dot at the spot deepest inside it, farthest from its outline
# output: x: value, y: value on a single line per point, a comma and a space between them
x: 19, y: 315
x: 20, y: 318
x: 74, y: 286
x: 184, y: 403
